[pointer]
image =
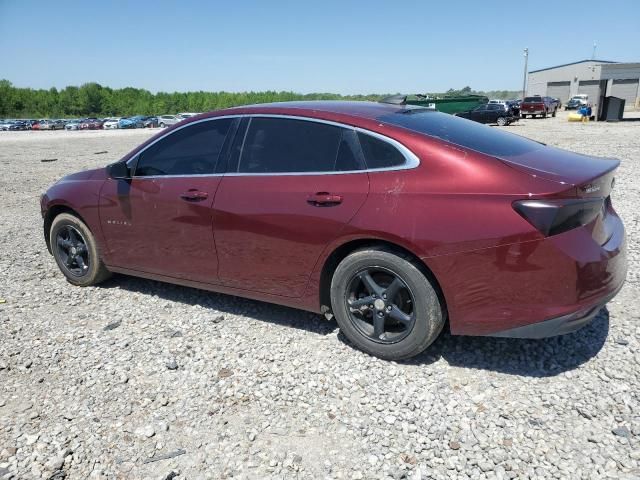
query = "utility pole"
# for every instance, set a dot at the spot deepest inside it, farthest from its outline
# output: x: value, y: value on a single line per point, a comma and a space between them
x: 593, y: 54
x: 524, y: 79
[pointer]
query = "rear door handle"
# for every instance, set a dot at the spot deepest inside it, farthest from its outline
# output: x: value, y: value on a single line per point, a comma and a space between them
x: 194, y: 195
x: 324, y: 199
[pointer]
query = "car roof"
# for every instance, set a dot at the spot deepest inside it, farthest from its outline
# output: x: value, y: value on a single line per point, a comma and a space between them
x: 317, y: 109
x: 367, y: 115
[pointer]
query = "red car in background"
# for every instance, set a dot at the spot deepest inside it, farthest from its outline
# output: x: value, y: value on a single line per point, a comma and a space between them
x: 392, y: 218
x: 538, y: 105
x: 91, y: 124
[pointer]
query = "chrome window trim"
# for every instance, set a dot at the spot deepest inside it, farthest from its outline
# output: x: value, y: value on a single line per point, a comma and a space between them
x: 411, y: 159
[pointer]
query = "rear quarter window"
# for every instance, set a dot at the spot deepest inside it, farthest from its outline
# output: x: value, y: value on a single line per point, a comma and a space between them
x: 378, y: 153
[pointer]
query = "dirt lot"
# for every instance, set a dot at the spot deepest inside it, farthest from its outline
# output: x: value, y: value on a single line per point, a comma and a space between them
x: 111, y: 381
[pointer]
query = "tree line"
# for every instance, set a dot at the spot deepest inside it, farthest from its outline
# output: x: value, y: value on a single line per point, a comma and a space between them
x: 94, y: 100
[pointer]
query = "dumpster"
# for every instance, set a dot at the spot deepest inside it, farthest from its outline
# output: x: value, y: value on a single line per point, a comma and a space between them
x: 612, y: 109
x: 446, y: 104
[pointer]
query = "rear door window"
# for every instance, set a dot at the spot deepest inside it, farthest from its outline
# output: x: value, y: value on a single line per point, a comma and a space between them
x: 281, y: 145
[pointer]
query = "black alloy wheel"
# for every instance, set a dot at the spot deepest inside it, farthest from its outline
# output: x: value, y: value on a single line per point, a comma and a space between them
x: 72, y: 251
x: 380, y: 305
x: 384, y: 303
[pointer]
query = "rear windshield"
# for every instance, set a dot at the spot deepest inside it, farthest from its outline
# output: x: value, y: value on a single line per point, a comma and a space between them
x: 533, y: 99
x: 466, y: 133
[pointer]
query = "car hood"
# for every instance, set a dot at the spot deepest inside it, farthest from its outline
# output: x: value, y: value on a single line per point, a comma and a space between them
x: 94, y: 174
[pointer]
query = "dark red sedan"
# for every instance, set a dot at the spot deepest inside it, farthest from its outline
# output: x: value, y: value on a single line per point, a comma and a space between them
x: 392, y: 218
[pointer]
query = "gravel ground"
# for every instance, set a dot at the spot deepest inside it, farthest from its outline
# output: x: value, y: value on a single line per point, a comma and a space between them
x: 138, y: 379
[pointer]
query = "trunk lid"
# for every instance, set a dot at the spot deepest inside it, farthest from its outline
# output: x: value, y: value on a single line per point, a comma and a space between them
x: 564, y: 167
x: 586, y: 178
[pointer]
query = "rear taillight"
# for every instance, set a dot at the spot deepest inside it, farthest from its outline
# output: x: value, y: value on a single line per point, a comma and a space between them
x: 552, y: 217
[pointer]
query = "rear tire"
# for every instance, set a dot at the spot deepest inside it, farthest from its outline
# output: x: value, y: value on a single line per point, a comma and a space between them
x: 162, y: 125
x: 554, y: 113
x: 386, y: 322
x: 544, y: 115
x: 501, y: 121
x: 75, y: 250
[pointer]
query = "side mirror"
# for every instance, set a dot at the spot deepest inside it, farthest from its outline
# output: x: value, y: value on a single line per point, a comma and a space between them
x: 119, y: 171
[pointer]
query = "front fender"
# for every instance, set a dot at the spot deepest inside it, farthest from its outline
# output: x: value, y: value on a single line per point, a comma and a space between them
x: 77, y: 194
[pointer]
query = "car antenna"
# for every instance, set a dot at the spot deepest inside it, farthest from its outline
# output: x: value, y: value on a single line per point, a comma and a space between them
x: 395, y: 100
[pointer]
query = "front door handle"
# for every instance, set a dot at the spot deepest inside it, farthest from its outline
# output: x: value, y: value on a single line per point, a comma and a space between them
x: 324, y: 199
x: 194, y: 195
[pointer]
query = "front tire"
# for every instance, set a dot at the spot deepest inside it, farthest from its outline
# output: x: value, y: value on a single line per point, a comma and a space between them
x: 75, y: 251
x: 385, y: 305
x: 501, y: 121
x: 162, y: 125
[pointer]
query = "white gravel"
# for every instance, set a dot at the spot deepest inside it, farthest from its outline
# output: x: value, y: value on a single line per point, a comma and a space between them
x: 211, y: 386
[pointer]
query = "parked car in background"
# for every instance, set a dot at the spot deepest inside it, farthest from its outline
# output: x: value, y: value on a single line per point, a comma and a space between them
x: 18, y: 125
x: 73, y: 125
x: 138, y: 120
x: 45, y: 125
x: 182, y: 116
x: 538, y: 105
x: 6, y: 125
x: 497, y: 113
x: 111, y: 123
x: 168, y: 120
x: 36, y: 125
x: 91, y: 124
x: 555, y: 102
x: 127, y: 123
x: 576, y: 102
x: 59, y: 124
x: 151, y: 122
x: 514, y: 105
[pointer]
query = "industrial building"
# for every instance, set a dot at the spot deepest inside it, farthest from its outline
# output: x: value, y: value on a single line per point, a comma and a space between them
x: 596, y: 78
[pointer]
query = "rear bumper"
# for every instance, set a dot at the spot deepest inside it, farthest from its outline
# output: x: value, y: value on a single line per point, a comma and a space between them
x: 532, y: 289
x: 569, y: 323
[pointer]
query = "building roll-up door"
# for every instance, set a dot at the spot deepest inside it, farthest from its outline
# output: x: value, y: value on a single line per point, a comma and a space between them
x: 626, y: 89
x: 559, y: 90
x: 591, y: 88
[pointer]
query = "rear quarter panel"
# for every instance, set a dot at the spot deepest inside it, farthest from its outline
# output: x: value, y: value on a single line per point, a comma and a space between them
x: 456, y: 201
